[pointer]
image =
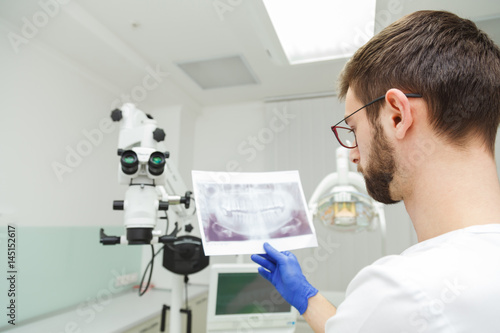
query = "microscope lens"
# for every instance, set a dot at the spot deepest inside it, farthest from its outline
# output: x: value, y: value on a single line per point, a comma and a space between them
x: 156, y: 163
x: 129, y: 162
x: 156, y: 160
x: 128, y: 159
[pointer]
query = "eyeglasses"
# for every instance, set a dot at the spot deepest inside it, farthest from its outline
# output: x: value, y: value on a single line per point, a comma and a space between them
x: 345, y: 135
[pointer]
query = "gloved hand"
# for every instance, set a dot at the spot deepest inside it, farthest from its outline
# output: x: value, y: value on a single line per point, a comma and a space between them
x: 282, y: 269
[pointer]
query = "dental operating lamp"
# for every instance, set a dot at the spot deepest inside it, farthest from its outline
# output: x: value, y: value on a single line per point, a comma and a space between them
x: 153, y: 187
x: 341, y: 202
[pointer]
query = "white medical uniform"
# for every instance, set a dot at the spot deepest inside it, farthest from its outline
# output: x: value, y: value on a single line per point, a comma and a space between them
x: 450, y: 283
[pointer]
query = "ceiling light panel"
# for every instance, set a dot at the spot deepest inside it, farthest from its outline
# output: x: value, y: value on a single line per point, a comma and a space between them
x: 317, y: 30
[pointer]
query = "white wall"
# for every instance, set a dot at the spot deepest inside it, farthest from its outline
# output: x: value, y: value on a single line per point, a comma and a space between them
x: 54, y: 174
x: 223, y: 136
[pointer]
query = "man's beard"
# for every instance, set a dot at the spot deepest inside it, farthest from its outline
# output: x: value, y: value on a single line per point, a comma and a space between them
x: 380, y: 171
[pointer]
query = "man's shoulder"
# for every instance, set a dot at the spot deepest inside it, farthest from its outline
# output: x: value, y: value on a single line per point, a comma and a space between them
x: 427, y: 287
x: 474, y: 244
x: 465, y: 264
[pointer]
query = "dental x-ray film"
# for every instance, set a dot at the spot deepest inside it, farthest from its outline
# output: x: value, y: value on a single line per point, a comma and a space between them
x: 238, y: 212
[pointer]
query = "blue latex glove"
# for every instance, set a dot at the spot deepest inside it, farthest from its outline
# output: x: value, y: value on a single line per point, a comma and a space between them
x: 282, y: 269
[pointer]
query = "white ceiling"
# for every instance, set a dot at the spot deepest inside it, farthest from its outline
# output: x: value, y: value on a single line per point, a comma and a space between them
x: 118, y: 39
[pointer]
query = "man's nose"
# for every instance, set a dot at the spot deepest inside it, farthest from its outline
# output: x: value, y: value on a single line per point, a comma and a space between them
x: 354, y: 155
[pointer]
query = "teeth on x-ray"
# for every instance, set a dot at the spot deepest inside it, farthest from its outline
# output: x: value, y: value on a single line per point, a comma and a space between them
x: 253, y: 213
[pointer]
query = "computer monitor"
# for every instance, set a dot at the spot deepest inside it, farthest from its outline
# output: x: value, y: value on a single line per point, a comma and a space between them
x: 240, y: 300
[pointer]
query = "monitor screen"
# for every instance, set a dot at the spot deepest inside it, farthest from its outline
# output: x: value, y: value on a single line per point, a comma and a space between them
x: 240, y: 300
x: 242, y: 293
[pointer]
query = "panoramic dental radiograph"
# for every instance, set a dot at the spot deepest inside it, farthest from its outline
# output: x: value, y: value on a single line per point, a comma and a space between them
x: 253, y: 211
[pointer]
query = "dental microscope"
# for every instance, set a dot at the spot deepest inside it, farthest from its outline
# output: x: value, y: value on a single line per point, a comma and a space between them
x: 152, y: 186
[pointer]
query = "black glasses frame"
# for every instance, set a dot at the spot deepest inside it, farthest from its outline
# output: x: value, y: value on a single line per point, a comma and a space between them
x: 334, y: 127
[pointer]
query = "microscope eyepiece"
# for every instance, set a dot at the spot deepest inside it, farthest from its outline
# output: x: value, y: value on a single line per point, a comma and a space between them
x: 156, y: 163
x: 129, y: 162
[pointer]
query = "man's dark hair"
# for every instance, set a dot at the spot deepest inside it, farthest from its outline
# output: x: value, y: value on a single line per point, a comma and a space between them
x: 445, y: 58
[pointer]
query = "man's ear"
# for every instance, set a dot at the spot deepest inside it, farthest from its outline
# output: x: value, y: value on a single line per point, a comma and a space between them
x: 401, y: 117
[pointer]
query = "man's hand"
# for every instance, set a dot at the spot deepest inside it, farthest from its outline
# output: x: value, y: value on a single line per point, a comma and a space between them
x: 283, y: 270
